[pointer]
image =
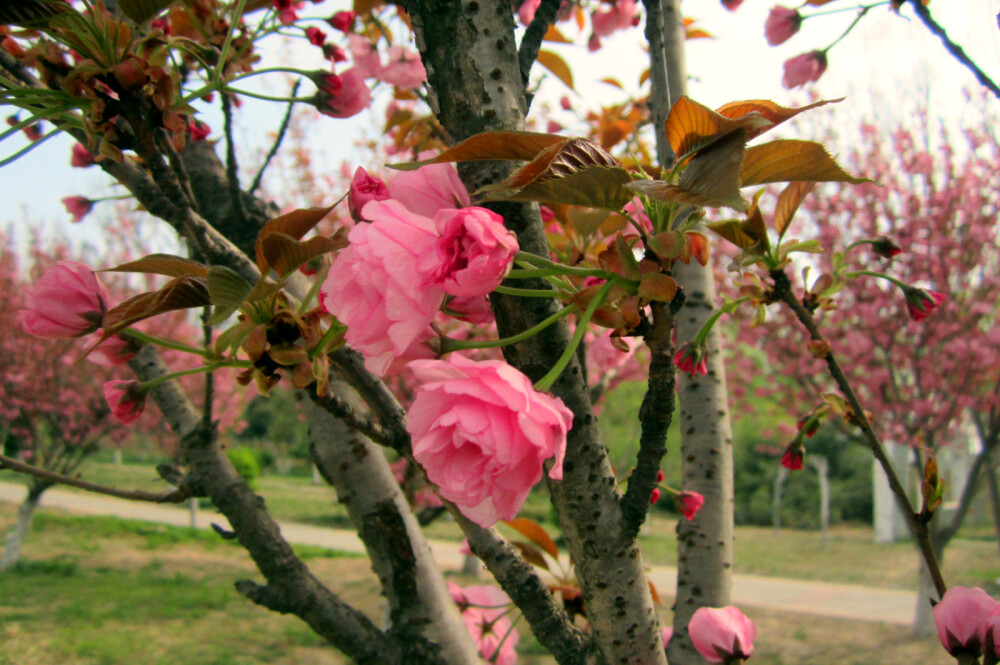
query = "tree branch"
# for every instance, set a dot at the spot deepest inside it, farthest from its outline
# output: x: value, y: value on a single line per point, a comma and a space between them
x: 285, y: 122
x: 527, y: 53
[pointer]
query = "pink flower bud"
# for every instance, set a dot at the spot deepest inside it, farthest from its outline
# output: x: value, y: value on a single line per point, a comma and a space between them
x: 781, y: 24
x: 315, y: 36
x: 126, y: 399
x: 689, y: 503
x: 364, y: 188
x: 803, y: 69
x: 526, y: 13
x: 886, y: 247
x: 921, y: 303
x: 792, y: 458
x: 343, y: 21
x: 82, y: 157
x: 564, y: 103
x: 112, y: 352
x: 78, y: 207
x: 352, y: 97
x: 66, y: 301
x: 199, y: 130
x: 722, y: 634
x: 692, y: 359
x: 961, y: 618
x: 732, y: 5
x: 334, y: 53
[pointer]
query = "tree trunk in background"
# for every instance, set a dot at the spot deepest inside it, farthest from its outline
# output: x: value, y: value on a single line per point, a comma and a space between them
x: 704, y: 544
x: 16, y: 536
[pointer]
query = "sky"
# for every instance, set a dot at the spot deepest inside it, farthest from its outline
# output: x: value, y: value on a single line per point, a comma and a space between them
x: 888, y: 67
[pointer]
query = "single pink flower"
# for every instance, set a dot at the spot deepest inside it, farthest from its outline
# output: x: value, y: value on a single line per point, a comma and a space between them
x: 526, y: 12
x: 82, y: 157
x: 342, y: 96
x: 654, y: 496
x: 404, y: 70
x: 482, y: 433
x: 429, y: 189
x: 343, y: 21
x: 199, y: 130
x: 472, y: 254
x: 961, y: 620
x: 781, y: 24
x: 126, y: 399
x: 692, y: 359
x: 803, y: 69
x: 334, y: 53
x: 793, y: 457
x: 723, y: 634
x: 364, y: 188
x: 689, y: 503
x: 78, y: 207
x: 315, y: 36
x: 67, y: 301
x: 286, y: 10
x: 112, y: 352
x: 921, y: 303
x: 372, y: 287
x: 565, y: 104
x: 484, y: 614
x: 365, y: 55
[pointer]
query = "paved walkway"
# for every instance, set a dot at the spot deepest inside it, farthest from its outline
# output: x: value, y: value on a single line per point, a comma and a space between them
x: 819, y: 598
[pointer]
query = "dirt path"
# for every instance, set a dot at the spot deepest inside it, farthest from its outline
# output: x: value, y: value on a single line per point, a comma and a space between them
x: 797, y: 596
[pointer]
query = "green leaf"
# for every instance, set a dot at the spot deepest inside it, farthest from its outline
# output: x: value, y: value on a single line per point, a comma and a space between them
x: 499, y: 145
x: 228, y: 290
x: 163, y: 264
x: 141, y: 11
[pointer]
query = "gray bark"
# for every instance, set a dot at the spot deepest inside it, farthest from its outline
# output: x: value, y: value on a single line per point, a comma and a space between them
x: 19, y: 532
x: 923, y: 620
x: 822, y: 466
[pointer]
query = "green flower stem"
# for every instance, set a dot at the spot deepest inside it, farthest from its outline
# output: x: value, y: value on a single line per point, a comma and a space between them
x: 28, y: 148
x: 324, y: 341
x: 521, y: 273
x: 559, y: 269
x: 526, y: 293
x: 728, y: 308
x: 267, y: 98
x: 872, y: 273
x: 448, y: 344
x: 167, y: 343
x: 861, y: 13
x: 233, y: 21
x: 149, y: 385
x: 581, y: 327
x: 845, y: 9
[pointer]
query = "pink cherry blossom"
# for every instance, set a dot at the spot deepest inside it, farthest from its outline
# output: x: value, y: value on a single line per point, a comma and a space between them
x: 371, y: 287
x: 722, y: 634
x: 805, y: 68
x: 472, y: 309
x: 429, y: 189
x: 692, y: 359
x: 792, y: 458
x: 781, y: 24
x: 961, y: 619
x: 78, y: 207
x: 343, y: 21
x: 82, y: 157
x: 67, y: 301
x: 364, y: 188
x: 689, y: 503
x: 343, y: 96
x: 921, y: 303
x: 482, y: 433
x: 112, y: 352
x: 404, y: 70
x: 484, y: 613
x: 125, y: 399
x: 334, y: 53
x: 472, y: 253
x: 526, y: 12
x: 315, y: 36
x: 365, y: 55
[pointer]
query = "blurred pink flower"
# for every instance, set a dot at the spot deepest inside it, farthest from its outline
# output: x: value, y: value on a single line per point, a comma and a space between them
x: 67, y: 301
x: 78, y: 207
x: 781, y: 24
x: 722, y: 634
x: 482, y: 433
x: 315, y: 36
x: 803, y: 69
x: 961, y: 620
x: 343, y: 21
x: 484, y: 613
x: 920, y: 302
x: 526, y: 12
x: 429, y: 189
x: 125, y: 399
x: 689, y: 503
x: 342, y: 96
x: 404, y: 70
x: 82, y: 157
x: 365, y: 55
x: 112, y: 352
x: 371, y: 287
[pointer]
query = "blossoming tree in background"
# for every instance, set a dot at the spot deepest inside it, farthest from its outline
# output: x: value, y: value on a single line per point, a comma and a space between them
x: 390, y: 340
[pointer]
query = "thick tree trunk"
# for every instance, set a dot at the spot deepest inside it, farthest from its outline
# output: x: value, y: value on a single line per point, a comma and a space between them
x: 17, y: 535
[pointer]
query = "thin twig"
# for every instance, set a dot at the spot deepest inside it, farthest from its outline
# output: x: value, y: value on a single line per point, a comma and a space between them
x: 659, y: 96
x: 956, y: 51
x: 232, y: 174
x: 175, y: 496
x: 285, y: 122
x: 783, y: 292
x: 340, y: 408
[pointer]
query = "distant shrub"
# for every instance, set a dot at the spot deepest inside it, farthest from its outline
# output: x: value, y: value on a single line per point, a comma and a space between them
x: 244, y: 460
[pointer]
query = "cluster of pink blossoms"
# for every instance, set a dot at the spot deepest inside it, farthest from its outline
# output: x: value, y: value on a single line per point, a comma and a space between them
x: 479, y: 429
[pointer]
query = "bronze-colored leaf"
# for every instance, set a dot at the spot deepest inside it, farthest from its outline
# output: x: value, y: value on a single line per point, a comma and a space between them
x: 162, y: 264
x: 141, y: 11
x: 506, y: 146
x: 531, y: 554
x: 657, y: 286
x: 586, y: 221
x: 788, y: 160
x: 773, y: 113
x: 553, y: 35
x: 788, y: 202
x: 734, y: 231
x: 555, y: 64
x: 714, y: 172
x: 182, y: 292
x: 613, y: 82
x: 31, y: 13
x: 534, y: 532
x: 692, y: 126
x: 284, y: 253
x: 669, y: 245
x: 294, y: 224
